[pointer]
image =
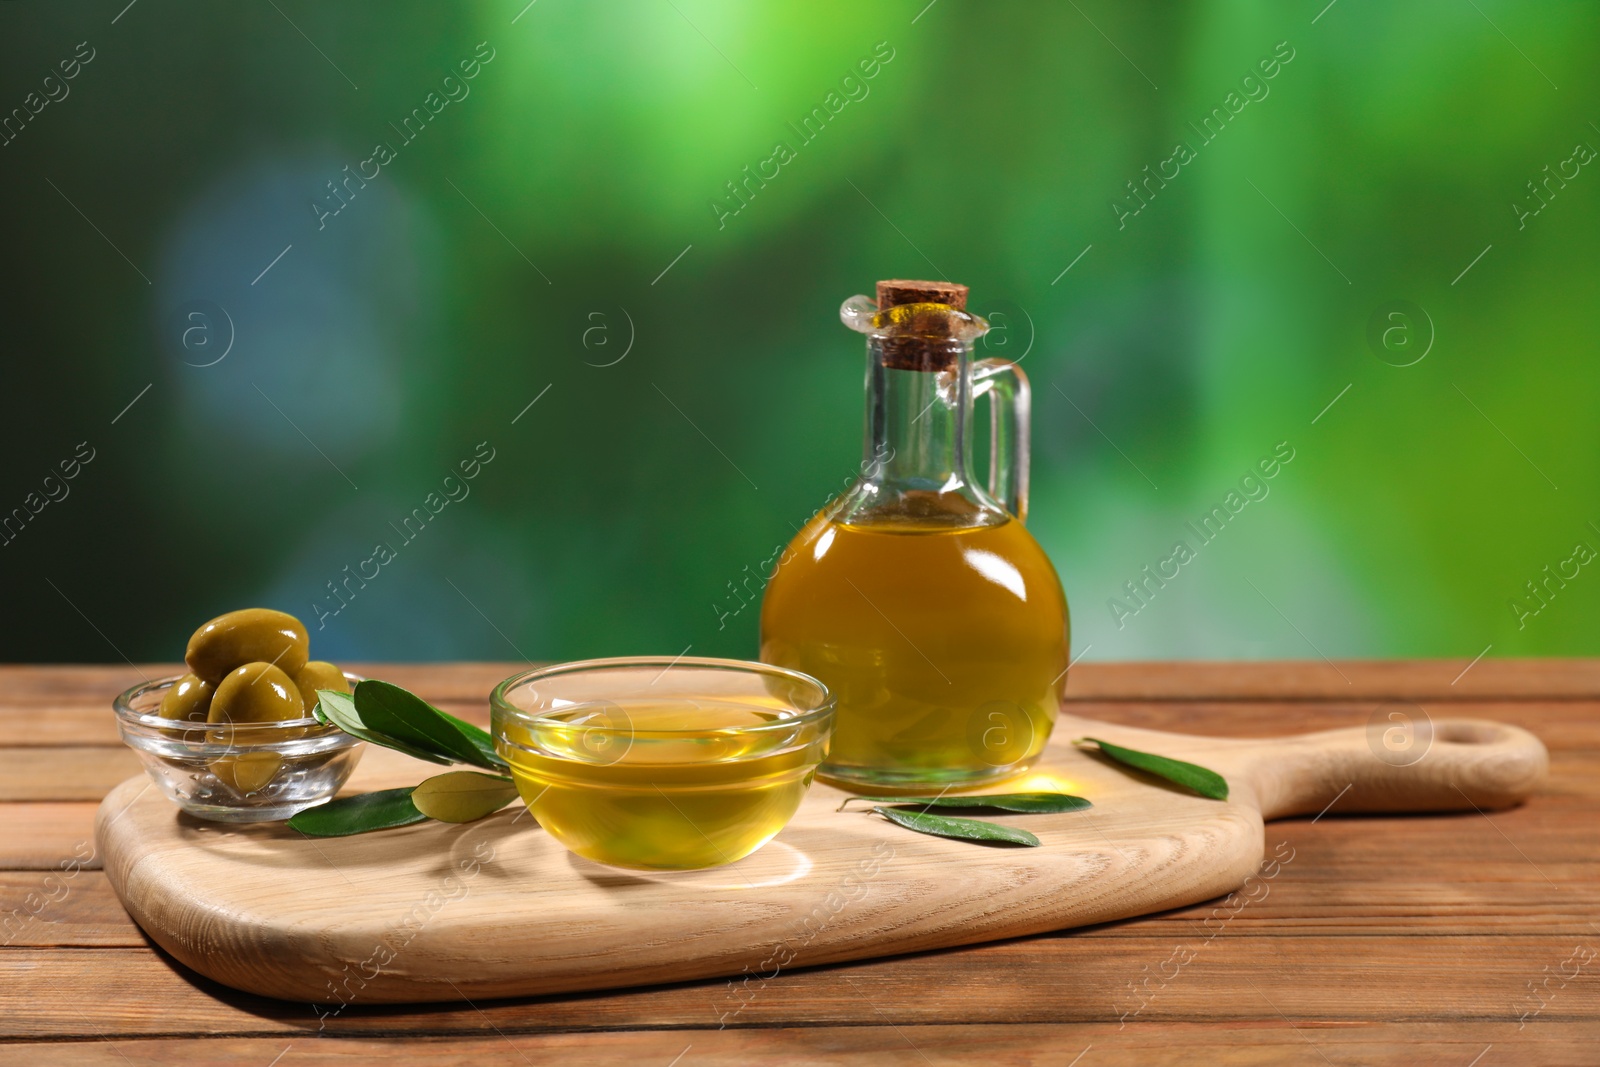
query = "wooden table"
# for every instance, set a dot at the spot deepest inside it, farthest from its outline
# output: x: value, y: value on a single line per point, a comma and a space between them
x: 1464, y: 939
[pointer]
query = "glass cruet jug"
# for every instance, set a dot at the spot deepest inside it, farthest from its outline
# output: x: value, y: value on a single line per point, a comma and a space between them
x: 917, y: 596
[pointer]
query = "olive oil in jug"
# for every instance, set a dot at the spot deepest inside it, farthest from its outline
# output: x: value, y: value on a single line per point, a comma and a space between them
x: 918, y: 596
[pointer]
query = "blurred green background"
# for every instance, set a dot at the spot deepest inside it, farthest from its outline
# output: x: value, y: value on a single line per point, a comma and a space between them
x: 559, y: 228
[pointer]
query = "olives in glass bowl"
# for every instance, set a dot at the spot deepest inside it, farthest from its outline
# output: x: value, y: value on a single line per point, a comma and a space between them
x: 236, y: 739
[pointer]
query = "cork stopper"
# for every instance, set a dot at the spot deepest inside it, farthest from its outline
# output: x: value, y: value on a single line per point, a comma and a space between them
x: 924, y: 342
x: 897, y: 291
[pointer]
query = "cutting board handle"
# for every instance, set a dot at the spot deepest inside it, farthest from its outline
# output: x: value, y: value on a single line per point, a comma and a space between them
x: 1408, y: 764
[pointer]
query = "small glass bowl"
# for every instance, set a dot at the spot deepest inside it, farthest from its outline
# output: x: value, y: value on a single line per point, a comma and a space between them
x: 656, y: 763
x: 227, y: 773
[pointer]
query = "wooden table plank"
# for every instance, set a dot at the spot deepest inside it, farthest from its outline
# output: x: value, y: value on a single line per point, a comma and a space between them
x: 82, y: 772
x: 59, y: 725
x: 1421, y: 680
x: 1252, y: 980
x: 1409, y: 1044
x: 72, y: 908
x: 43, y: 836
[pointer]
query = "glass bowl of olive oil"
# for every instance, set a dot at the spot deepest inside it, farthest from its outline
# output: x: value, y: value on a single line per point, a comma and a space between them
x: 661, y: 763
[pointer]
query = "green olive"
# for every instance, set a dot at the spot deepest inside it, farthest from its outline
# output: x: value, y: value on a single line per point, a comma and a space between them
x: 251, y: 635
x: 318, y: 674
x: 246, y: 701
x: 247, y: 773
x: 256, y: 693
x: 189, y: 699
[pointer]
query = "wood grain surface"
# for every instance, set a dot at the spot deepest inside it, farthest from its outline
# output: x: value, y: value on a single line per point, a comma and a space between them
x: 498, y: 908
x: 1388, y: 939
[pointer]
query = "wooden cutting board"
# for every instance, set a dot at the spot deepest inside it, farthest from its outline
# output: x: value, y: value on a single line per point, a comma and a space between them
x: 434, y: 912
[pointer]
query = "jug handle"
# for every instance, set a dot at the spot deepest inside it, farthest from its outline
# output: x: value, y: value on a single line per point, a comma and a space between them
x: 1010, y: 408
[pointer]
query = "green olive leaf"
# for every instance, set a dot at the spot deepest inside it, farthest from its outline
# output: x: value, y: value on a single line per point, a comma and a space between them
x: 387, y: 709
x: 479, y: 737
x: 959, y: 829
x: 358, y: 814
x: 1207, y: 783
x: 1022, y: 803
x: 339, y: 709
x: 463, y: 796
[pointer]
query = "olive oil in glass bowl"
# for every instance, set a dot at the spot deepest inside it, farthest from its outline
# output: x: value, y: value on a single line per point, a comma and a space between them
x: 662, y: 763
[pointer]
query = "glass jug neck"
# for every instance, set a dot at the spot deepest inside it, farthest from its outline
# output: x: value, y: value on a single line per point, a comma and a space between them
x: 916, y: 455
x: 917, y: 421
